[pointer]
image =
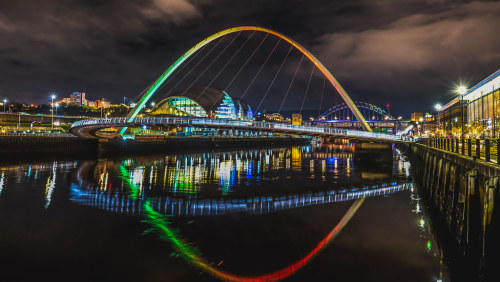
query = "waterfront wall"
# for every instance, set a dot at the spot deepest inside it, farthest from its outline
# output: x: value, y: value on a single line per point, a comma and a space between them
x: 64, y: 146
x: 44, y: 119
x: 461, y: 193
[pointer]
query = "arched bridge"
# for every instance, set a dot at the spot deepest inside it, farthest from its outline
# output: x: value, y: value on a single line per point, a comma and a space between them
x: 180, y: 207
x: 151, y: 90
x: 88, y: 128
x: 343, y: 112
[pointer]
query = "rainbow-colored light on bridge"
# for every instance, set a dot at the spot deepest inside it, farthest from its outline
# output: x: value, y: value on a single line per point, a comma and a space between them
x: 152, y: 90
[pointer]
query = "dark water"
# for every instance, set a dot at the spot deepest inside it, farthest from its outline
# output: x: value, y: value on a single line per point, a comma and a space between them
x: 246, y: 213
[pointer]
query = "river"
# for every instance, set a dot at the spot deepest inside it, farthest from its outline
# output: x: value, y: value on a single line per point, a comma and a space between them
x: 310, y: 213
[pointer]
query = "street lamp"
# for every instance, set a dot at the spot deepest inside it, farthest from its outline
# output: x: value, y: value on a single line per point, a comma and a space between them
x: 462, y: 90
x: 4, y: 103
x: 438, y: 108
x: 52, y: 97
x: 102, y: 106
x: 57, y: 105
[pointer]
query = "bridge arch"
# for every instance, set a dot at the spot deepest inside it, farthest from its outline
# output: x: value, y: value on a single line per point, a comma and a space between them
x: 369, y: 111
x: 154, y: 87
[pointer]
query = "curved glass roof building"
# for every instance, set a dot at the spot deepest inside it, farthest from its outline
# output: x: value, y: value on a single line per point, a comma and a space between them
x: 203, y: 101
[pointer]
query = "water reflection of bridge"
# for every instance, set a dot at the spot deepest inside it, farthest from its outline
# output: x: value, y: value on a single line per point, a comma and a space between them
x: 189, y: 206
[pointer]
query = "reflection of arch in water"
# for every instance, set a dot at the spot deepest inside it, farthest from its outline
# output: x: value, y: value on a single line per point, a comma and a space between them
x: 182, y: 206
x: 190, y: 254
x: 184, y: 250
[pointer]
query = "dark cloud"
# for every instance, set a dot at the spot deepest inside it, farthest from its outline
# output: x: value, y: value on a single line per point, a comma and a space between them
x: 406, y: 53
x: 408, y: 58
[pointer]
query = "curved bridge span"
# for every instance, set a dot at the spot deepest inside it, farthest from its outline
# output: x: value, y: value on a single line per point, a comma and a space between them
x: 151, y: 90
x: 182, y: 207
x: 88, y: 128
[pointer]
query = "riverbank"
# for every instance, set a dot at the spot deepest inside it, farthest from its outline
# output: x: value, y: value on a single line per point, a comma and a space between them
x: 48, y: 145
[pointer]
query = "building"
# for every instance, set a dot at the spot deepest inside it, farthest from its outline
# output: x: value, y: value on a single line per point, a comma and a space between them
x: 275, y: 117
x: 296, y: 119
x: 451, y: 115
x: 203, y: 101
x: 100, y: 104
x: 77, y: 99
x: 417, y: 116
x: 62, y: 101
x: 427, y: 125
x: 483, y: 103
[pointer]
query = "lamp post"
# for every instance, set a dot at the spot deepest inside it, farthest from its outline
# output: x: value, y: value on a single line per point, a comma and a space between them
x: 462, y: 90
x: 57, y: 106
x: 52, y: 97
x: 102, y: 106
x: 438, y: 108
x: 4, y: 103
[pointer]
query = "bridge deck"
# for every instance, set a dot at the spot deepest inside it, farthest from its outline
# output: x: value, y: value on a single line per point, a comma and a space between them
x: 88, y: 128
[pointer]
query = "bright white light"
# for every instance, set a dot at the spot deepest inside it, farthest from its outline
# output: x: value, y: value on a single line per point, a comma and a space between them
x: 53, y: 96
x: 462, y: 90
x: 56, y: 123
x: 437, y: 107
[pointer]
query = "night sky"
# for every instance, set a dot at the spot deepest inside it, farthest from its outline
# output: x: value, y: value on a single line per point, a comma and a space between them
x: 409, y: 54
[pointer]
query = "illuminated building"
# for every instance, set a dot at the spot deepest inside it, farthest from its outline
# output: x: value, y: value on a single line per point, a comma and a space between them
x: 203, y: 101
x: 483, y: 101
x: 101, y: 104
x: 296, y: 119
x: 417, y: 116
x: 78, y: 99
x: 450, y: 115
x: 275, y: 117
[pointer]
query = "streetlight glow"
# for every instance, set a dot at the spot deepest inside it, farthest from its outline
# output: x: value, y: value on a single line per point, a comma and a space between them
x: 462, y: 90
x: 52, y: 97
x: 437, y: 107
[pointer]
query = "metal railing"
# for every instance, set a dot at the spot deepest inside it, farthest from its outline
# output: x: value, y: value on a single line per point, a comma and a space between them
x: 482, y: 149
x: 40, y: 134
x: 255, y: 125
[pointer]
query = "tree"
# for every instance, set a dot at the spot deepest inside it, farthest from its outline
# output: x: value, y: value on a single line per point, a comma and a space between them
x: 476, y: 129
x: 457, y: 132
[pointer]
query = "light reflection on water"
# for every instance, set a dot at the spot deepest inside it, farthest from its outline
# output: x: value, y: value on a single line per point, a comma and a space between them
x: 284, y: 179
x: 227, y: 172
